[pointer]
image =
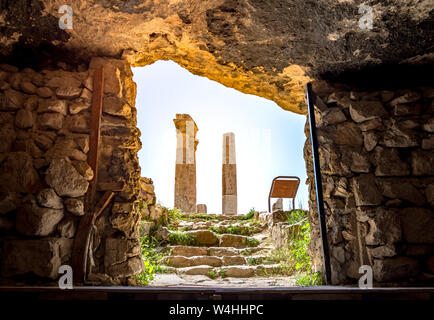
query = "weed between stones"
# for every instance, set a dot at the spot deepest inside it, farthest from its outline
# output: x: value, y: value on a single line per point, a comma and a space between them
x: 252, y: 242
x: 151, y: 260
x: 183, y: 238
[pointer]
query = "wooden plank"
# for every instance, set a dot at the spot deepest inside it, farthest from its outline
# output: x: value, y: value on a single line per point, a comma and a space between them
x: 102, y: 204
x: 95, y: 132
x: 81, y: 241
x: 116, y: 186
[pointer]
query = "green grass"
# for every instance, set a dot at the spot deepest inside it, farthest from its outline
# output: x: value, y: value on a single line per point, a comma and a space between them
x: 215, y: 229
x: 141, y: 205
x: 309, y: 279
x: 298, y: 251
x: 178, y: 237
x: 294, y: 259
x: 163, y: 270
x: 175, y: 214
x: 252, y: 261
x: 244, y: 231
x: 223, y: 273
x: 282, y: 257
x: 248, y: 215
x: 252, y: 242
x: 151, y: 258
x: 255, y: 222
x: 245, y: 252
x: 204, y: 217
x: 297, y: 216
x: 214, y: 275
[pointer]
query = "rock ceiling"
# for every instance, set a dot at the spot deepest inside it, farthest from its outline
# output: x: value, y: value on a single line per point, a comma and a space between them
x: 269, y: 48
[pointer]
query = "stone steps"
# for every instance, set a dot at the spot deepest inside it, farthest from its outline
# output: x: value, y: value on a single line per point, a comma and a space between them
x: 213, y: 261
x: 219, y: 217
x: 220, y: 227
x: 190, y: 251
x: 219, y: 255
x: 238, y: 271
x: 209, y: 238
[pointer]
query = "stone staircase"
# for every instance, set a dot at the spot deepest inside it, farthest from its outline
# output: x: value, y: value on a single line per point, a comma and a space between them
x: 204, y: 250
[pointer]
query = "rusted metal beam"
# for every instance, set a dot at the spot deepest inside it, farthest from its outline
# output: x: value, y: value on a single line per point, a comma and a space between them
x: 81, y: 241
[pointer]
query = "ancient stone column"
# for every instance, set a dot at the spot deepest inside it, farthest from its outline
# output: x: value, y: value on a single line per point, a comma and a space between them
x: 185, y: 171
x: 229, y: 175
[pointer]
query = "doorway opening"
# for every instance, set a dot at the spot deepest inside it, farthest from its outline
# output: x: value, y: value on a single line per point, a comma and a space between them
x: 202, y: 246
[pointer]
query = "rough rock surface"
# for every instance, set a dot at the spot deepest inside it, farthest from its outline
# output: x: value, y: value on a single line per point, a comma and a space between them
x: 9, y: 201
x: 258, y: 47
x: 65, y: 180
x: 67, y: 228
x: 204, y: 237
x: 418, y: 225
x: 233, y: 240
x: 188, y: 251
x: 48, y: 198
x: 40, y: 257
x: 122, y: 257
x: 33, y: 220
x: 18, y: 174
x: 395, y: 269
x: 75, y: 206
x: 378, y: 194
x: 44, y: 141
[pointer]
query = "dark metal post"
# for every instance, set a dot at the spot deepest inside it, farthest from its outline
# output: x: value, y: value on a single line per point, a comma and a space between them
x: 311, y: 99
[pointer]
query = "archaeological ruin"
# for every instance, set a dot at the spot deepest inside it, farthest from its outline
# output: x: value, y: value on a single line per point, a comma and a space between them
x: 229, y: 175
x: 185, y: 173
x: 71, y: 191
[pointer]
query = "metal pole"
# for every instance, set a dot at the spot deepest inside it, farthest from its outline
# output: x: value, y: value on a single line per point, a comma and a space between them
x: 311, y: 99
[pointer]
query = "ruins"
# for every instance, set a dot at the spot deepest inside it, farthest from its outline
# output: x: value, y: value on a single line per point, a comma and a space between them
x: 375, y: 124
x: 185, y: 172
x: 229, y: 175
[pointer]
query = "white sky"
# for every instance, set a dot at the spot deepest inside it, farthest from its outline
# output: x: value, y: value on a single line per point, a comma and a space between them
x: 268, y: 140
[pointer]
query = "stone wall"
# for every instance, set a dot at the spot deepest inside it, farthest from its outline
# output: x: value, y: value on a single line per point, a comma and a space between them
x: 44, y: 175
x: 377, y: 165
x: 376, y: 150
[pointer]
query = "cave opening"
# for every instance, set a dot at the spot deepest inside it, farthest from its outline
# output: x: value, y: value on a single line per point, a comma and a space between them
x: 268, y: 142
